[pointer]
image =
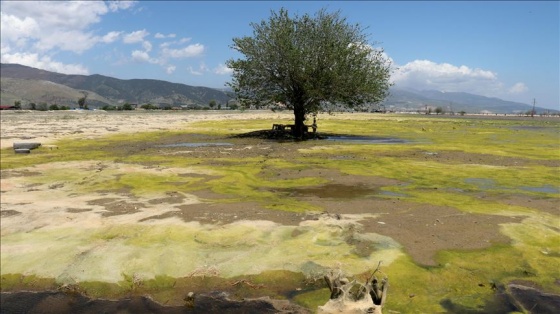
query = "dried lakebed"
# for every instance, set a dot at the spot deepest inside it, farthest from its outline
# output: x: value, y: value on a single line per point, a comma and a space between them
x: 456, y: 224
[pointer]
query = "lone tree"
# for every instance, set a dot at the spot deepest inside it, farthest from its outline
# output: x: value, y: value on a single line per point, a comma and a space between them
x: 82, y: 101
x: 308, y: 63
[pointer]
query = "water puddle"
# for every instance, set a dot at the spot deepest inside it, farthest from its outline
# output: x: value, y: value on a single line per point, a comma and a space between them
x: 393, y: 194
x: 481, y: 183
x: 542, y: 189
x: 486, y: 184
x: 195, y: 145
x: 366, y: 139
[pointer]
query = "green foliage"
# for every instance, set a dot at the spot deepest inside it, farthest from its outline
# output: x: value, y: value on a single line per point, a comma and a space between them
x: 149, y: 107
x: 54, y: 107
x: 17, y: 104
x: 127, y: 106
x: 439, y: 110
x: 306, y: 63
x: 42, y: 106
x: 82, y: 102
x: 212, y: 104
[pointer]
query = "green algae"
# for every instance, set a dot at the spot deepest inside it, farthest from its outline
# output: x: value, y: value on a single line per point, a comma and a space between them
x: 153, y: 259
x: 108, y: 253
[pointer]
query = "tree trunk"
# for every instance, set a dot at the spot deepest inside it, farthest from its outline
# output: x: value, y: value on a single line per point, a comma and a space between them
x: 299, y: 122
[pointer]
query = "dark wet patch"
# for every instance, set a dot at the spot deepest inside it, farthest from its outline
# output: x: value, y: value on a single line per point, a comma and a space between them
x: 547, y: 204
x: 60, y: 302
x: 362, y: 248
x: 422, y: 229
x: 333, y: 190
x: 56, y: 186
x: 6, y: 174
x: 194, y: 145
x: 514, y: 298
x: 115, y: 206
x: 197, y: 175
x: 225, y: 213
x: 499, y: 304
x: 125, y: 191
x: 534, y: 300
x: 78, y: 210
x: 171, y: 198
x: 9, y: 213
x: 195, y: 293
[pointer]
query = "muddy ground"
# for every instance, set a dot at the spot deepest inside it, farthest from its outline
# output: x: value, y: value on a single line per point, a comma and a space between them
x: 421, y: 229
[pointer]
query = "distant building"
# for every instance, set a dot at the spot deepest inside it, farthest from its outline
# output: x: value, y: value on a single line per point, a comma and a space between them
x: 8, y: 107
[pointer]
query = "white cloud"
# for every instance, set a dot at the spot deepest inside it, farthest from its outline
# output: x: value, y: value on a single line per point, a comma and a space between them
x: 120, y: 5
x: 71, y: 40
x: 161, y: 36
x: 57, y: 15
x: 186, y: 52
x: 17, y: 30
x: 33, y: 31
x: 44, y: 62
x: 170, y: 69
x: 175, y: 42
x: 111, y: 37
x: 425, y: 75
x: 200, y: 71
x: 135, y: 37
x: 445, y: 77
x: 147, y: 46
x: 518, y: 88
x: 140, y: 56
x: 144, y: 56
x: 223, y: 70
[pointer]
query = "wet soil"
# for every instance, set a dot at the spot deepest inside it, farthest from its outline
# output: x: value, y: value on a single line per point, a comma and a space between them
x: 421, y: 229
x: 57, y: 302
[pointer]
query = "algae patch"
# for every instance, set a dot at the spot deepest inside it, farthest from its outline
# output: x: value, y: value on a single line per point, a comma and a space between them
x: 177, y: 250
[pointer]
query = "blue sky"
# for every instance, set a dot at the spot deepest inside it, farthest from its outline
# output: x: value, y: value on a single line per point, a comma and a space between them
x: 504, y: 49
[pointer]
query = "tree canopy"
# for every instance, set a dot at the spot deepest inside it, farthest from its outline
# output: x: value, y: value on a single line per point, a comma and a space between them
x: 307, y: 63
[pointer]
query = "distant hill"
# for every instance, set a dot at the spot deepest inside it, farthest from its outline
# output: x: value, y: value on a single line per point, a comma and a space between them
x: 102, y: 90
x: 411, y: 100
x: 28, y: 91
x: 34, y: 85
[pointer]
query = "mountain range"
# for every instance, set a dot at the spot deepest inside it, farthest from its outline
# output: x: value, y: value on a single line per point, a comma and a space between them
x: 31, y: 85
x: 34, y: 85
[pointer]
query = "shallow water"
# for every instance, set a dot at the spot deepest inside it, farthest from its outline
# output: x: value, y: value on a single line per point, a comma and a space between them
x: 196, y: 145
x: 367, y: 139
x: 542, y: 189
